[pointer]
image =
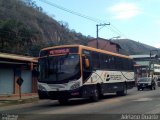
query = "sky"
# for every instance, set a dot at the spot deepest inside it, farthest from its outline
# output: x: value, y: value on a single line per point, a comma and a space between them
x: 138, y: 20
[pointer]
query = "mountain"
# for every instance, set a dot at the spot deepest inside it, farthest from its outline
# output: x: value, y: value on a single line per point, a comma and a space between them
x: 132, y: 47
x: 25, y: 29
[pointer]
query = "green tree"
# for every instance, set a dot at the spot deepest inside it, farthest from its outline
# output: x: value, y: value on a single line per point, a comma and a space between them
x: 15, y: 36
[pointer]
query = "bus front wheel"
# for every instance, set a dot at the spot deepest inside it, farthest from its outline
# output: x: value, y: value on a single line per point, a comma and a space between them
x: 95, y: 96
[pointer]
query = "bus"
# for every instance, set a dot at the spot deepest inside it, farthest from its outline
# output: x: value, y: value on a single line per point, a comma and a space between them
x: 77, y: 71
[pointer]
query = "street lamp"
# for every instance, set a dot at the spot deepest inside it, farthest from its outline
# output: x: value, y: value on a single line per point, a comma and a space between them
x: 98, y: 30
x: 114, y: 37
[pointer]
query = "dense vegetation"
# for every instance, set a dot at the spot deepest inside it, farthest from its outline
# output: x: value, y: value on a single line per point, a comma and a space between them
x: 25, y: 29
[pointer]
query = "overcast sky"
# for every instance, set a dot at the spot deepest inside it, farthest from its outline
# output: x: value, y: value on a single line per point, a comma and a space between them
x: 138, y: 20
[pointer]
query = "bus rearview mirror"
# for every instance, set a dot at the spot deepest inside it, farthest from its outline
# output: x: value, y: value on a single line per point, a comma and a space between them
x: 87, y: 63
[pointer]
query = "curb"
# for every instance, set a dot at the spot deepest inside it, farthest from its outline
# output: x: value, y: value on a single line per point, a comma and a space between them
x: 23, y: 105
x: 11, y: 102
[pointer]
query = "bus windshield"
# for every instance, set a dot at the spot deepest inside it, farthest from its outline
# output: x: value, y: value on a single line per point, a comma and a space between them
x: 59, y: 68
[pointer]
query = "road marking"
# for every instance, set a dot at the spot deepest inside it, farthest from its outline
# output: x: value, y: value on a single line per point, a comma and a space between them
x: 143, y: 99
x: 154, y: 111
x: 81, y: 108
x: 158, y: 105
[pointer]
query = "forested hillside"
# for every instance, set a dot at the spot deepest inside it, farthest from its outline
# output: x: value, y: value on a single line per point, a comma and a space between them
x: 25, y: 28
x: 131, y: 47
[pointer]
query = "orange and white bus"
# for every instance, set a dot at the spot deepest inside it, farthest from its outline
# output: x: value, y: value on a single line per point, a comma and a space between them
x: 76, y: 71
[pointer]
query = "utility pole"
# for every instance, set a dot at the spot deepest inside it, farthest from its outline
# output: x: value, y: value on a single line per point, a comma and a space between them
x: 98, y: 30
x: 151, y: 61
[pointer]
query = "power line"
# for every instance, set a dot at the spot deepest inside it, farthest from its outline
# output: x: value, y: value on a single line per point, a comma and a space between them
x: 112, y: 27
x: 118, y: 31
x: 114, y: 31
x: 71, y: 11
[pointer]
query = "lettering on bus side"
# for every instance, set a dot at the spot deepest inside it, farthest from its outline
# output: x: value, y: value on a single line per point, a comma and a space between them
x: 116, y: 77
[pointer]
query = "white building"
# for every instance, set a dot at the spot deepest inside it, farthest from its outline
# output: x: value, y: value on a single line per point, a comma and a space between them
x: 11, y: 68
x: 147, y: 65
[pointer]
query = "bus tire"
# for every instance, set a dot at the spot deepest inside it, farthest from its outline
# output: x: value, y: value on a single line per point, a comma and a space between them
x: 123, y: 92
x: 101, y: 94
x: 63, y: 101
x: 95, y: 96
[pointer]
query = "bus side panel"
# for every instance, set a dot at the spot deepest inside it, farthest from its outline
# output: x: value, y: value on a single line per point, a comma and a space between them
x: 111, y: 81
x: 112, y: 87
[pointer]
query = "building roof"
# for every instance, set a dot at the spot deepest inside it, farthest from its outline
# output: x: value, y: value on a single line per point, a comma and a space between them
x: 18, y: 57
x: 105, y: 41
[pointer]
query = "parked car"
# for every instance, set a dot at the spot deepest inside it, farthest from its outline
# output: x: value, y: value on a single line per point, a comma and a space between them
x: 146, y: 82
x: 158, y: 81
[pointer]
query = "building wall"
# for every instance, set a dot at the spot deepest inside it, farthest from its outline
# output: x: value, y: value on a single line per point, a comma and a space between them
x: 146, y: 65
x: 8, y: 79
x: 27, y: 81
x: 104, y: 45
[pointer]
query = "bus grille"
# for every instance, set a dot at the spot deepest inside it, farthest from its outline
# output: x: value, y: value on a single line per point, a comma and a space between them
x: 56, y: 86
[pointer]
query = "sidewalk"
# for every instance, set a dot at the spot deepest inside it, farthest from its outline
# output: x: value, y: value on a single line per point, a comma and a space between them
x: 15, y: 99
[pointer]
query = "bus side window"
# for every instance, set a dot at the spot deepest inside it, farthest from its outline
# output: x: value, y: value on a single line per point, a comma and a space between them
x: 96, y: 61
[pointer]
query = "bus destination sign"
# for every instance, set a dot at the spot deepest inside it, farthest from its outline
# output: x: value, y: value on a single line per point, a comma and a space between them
x: 59, y: 51
x: 63, y: 50
x: 56, y: 51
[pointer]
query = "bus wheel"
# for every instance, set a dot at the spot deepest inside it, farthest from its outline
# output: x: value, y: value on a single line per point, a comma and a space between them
x: 63, y: 101
x: 95, y: 96
x: 123, y: 92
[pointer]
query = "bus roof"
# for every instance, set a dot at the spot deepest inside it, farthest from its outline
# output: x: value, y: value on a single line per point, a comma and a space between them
x: 88, y: 48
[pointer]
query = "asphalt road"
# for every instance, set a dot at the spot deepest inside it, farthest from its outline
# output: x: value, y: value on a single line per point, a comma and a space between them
x: 111, y: 107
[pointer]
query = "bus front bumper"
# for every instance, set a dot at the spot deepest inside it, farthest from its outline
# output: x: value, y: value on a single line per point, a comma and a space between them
x: 81, y: 92
x: 55, y: 95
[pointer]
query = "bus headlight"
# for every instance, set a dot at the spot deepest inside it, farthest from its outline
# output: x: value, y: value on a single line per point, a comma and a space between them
x: 41, y: 88
x: 75, y: 86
